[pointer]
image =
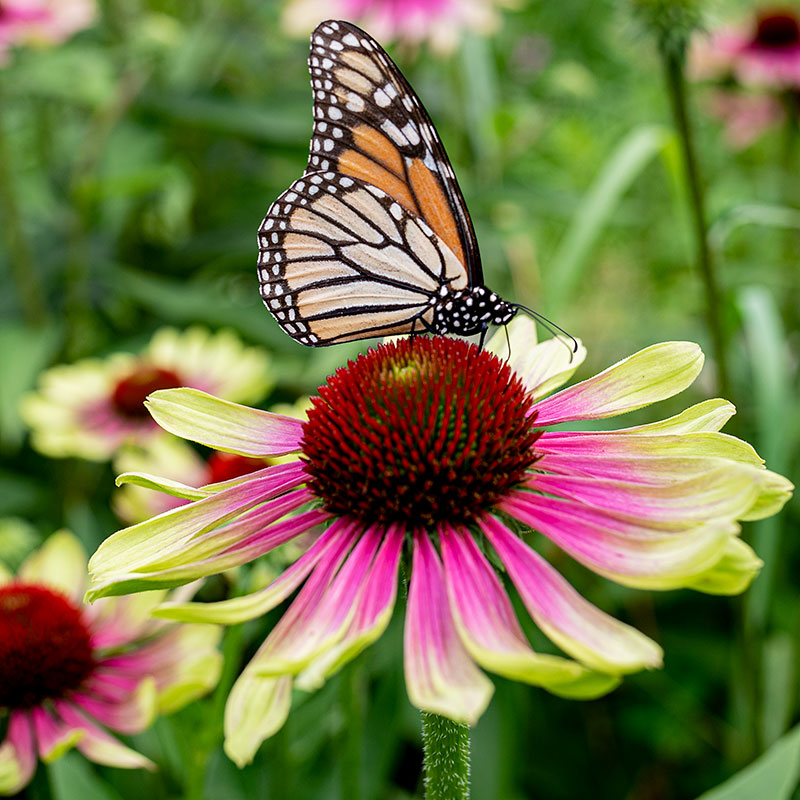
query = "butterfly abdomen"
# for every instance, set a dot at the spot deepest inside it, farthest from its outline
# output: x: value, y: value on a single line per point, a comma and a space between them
x: 471, y: 310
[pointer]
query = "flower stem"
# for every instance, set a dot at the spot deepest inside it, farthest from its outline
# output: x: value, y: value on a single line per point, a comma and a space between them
x: 446, y: 758
x: 673, y: 60
x: 24, y: 269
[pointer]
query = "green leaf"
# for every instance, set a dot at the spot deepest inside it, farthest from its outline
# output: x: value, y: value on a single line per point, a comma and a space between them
x: 72, y: 778
x: 626, y: 163
x: 24, y: 353
x: 773, y: 776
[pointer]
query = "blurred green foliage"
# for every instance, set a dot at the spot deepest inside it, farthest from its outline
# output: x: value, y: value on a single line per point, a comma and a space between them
x: 137, y: 162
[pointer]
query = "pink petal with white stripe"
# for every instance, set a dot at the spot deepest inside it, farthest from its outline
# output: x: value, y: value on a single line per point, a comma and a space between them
x: 651, y: 556
x: 652, y: 374
x: 489, y: 629
x: 222, y: 425
x: 441, y: 676
x: 17, y: 754
x: 322, y: 611
x: 373, y: 610
x: 575, y: 625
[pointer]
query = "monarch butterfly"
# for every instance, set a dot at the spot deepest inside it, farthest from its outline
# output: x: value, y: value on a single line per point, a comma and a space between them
x: 375, y: 238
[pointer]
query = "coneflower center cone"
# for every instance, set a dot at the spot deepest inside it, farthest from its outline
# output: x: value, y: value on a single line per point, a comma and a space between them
x: 45, y: 646
x: 777, y: 29
x: 132, y: 390
x: 419, y: 431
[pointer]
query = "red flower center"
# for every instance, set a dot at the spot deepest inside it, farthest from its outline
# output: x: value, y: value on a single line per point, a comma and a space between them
x: 226, y: 466
x: 45, y: 650
x: 131, y: 392
x: 419, y: 431
x: 777, y: 29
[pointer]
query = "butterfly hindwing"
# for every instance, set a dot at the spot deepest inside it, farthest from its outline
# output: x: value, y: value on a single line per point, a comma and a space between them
x: 370, y: 124
x: 340, y: 259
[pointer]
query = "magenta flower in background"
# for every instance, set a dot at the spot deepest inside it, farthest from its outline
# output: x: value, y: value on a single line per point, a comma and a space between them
x: 439, y: 22
x: 71, y: 673
x: 41, y: 22
x: 442, y: 455
x: 762, y: 58
x: 93, y: 407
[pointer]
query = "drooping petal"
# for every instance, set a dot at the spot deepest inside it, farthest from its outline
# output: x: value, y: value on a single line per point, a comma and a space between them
x: 129, y: 715
x: 222, y: 425
x: 17, y: 754
x: 167, y: 536
x: 653, y: 374
x: 250, y: 606
x: 117, y: 621
x: 775, y: 492
x: 53, y: 737
x: 322, y: 610
x: 490, y: 631
x: 372, y: 613
x: 575, y: 625
x: 727, y: 492
x: 99, y: 746
x: 733, y: 573
x: 649, y: 470
x: 170, y: 487
x: 627, y: 445
x: 708, y: 416
x: 441, y: 677
x: 647, y: 556
x: 256, y: 708
x: 60, y: 562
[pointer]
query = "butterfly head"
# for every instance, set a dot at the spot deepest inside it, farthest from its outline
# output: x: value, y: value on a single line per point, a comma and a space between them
x: 471, y: 310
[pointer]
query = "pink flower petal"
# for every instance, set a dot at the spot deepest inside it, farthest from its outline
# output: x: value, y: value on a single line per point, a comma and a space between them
x: 323, y: 609
x: 167, y: 535
x: 629, y: 445
x: 490, y: 631
x: 132, y: 714
x: 728, y: 491
x: 441, y: 677
x: 575, y: 625
x: 99, y: 746
x: 17, y: 753
x: 222, y: 425
x: 240, y: 609
x: 646, y: 555
x: 373, y: 609
x: 652, y: 374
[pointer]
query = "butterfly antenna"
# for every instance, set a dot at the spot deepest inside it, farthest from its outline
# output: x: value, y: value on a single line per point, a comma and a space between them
x: 550, y: 326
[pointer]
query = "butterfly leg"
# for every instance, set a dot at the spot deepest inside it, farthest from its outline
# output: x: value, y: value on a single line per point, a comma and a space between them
x: 484, y: 331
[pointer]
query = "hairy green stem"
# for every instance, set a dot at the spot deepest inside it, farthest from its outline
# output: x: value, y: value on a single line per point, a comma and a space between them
x: 673, y: 59
x: 446, y: 758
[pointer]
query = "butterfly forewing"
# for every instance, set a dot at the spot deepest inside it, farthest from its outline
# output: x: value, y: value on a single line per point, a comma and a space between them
x: 369, y: 124
x: 340, y: 259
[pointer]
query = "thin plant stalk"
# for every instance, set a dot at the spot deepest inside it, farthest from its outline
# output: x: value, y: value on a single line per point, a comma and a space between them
x: 353, y: 738
x: 673, y: 62
x: 446, y: 758
x: 24, y: 270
